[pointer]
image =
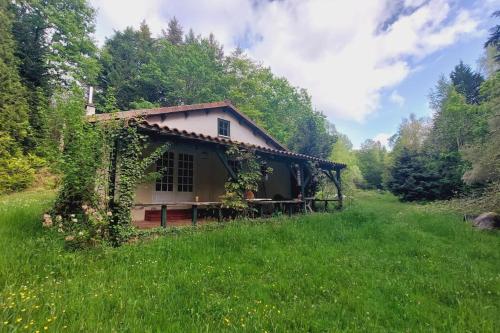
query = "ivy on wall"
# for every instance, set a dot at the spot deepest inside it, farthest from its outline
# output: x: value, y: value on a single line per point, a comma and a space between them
x: 248, y: 174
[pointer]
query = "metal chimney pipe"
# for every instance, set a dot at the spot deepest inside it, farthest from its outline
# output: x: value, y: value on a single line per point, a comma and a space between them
x: 90, y: 109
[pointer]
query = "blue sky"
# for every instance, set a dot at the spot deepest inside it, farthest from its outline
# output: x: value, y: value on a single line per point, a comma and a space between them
x: 367, y: 64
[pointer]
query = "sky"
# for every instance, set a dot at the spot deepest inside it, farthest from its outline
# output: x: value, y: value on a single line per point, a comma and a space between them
x: 366, y: 64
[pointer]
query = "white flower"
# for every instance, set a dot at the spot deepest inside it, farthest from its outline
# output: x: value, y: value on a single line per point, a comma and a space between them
x: 80, y: 233
x: 58, y: 218
x: 74, y: 220
x: 72, y: 215
x: 109, y: 213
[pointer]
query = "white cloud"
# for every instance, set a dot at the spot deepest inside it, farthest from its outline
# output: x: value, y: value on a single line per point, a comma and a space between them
x: 383, y: 138
x: 396, y: 98
x: 344, y: 52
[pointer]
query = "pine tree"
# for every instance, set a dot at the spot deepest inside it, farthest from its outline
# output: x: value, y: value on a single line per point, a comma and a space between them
x: 174, y: 33
x: 467, y: 82
x: 494, y: 39
x: 411, y: 179
x: 13, y: 103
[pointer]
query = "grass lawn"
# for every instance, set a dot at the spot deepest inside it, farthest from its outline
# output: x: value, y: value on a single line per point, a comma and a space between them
x: 379, y: 265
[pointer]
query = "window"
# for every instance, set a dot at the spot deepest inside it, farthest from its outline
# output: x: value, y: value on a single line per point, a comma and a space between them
x: 224, y: 127
x: 185, y: 173
x: 165, y: 166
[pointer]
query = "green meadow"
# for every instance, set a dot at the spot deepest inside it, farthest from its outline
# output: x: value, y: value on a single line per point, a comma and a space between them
x: 379, y: 265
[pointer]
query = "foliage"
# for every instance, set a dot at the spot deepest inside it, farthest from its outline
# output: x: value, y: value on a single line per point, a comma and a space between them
x: 86, y: 211
x: 130, y: 147
x: 16, y: 171
x: 342, y: 152
x: 13, y: 102
x: 312, y: 137
x: 249, y: 172
x: 83, y: 150
x: 373, y: 159
x: 300, y: 274
x: 174, y: 33
x: 411, y: 179
x: 484, y: 154
x: 466, y: 82
x: 54, y: 42
x: 494, y: 38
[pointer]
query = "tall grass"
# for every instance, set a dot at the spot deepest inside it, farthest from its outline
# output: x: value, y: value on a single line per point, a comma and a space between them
x: 379, y: 265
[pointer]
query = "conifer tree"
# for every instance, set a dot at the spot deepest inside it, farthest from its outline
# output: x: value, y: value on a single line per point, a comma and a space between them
x: 174, y: 33
x: 13, y: 103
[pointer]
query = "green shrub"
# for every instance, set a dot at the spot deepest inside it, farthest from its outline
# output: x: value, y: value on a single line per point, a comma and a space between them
x: 16, y: 171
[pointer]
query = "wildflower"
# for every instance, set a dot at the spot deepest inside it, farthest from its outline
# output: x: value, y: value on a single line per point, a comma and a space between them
x: 19, y: 320
x: 45, y: 328
x: 109, y: 213
x: 47, y: 221
x: 69, y: 238
x: 80, y: 233
x: 85, y: 207
x: 74, y: 220
x: 72, y: 215
x: 58, y: 218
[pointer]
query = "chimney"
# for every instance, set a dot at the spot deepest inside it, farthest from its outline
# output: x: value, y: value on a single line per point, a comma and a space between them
x: 90, y: 109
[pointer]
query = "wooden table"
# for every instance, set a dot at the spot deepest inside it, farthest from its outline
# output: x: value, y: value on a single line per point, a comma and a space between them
x: 310, y: 202
x: 288, y: 204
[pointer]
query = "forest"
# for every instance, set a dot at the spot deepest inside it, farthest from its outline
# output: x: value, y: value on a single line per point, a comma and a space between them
x: 49, y: 59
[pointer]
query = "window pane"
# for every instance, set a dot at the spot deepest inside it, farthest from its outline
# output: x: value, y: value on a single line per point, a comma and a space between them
x: 165, y: 165
x: 223, y: 127
x: 185, y: 173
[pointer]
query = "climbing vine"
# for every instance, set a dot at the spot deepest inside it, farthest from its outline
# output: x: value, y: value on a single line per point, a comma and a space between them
x: 102, y: 164
x: 250, y: 169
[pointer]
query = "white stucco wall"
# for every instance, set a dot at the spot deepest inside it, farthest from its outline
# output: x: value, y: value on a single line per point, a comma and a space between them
x: 202, y: 122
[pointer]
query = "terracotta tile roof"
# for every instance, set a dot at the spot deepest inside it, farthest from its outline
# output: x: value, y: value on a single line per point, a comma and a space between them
x: 144, y: 113
x: 207, y: 138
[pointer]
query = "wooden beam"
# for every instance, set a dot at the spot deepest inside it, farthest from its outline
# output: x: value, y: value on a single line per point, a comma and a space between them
x: 223, y: 158
x: 194, y: 214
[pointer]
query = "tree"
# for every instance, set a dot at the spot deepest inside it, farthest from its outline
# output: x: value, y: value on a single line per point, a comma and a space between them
x: 411, y: 134
x: 13, y: 103
x: 55, y: 49
x: 55, y: 43
x: 483, y: 154
x: 467, y: 82
x: 494, y: 38
x: 123, y: 59
x: 174, y: 34
x: 312, y: 137
x: 372, y: 158
x: 411, y: 179
x: 342, y: 152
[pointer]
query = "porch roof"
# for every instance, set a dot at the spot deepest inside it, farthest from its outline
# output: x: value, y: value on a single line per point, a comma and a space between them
x: 145, y: 125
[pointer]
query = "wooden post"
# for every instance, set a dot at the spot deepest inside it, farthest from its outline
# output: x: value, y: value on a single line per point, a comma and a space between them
x: 289, y: 209
x: 194, y: 216
x: 339, y: 187
x: 326, y: 205
x: 219, y: 217
x: 164, y: 216
x: 261, y: 212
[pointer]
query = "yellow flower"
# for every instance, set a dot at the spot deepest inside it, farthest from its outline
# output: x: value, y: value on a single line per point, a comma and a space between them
x: 18, y: 320
x: 6, y: 323
x: 45, y: 328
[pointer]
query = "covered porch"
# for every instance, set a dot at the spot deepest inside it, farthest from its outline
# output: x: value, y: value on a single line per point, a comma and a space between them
x: 197, y: 169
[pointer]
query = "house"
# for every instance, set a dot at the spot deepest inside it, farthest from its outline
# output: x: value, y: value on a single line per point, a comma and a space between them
x: 196, y: 167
